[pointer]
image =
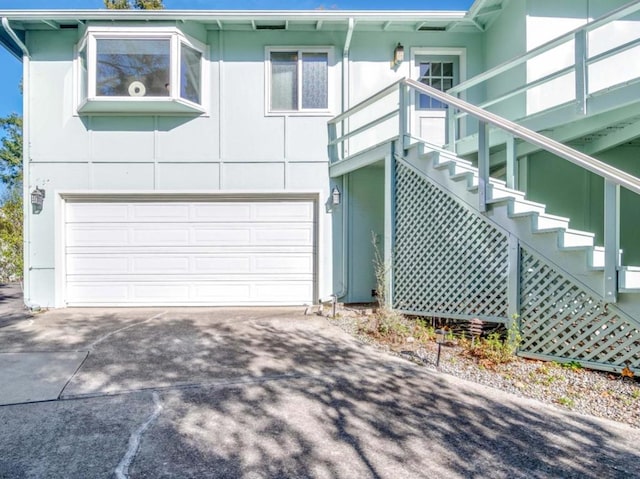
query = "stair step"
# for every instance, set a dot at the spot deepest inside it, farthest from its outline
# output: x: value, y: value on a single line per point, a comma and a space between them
x: 543, y: 221
x: 629, y: 279
x: 569, y: 238
x: 596, y: 260
x: 575, y: 238
x: 441, y: 160
x: 471, y: 178
x: 517, y: 206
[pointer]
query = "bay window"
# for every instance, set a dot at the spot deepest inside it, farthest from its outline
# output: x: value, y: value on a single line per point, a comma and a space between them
x: 140, y: 70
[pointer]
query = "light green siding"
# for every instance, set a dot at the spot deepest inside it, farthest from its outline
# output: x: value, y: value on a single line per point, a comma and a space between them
x: 366, y: 218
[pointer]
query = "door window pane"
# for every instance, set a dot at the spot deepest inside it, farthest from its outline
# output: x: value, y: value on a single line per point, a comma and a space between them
x: 284, y: 81
x: 439, y: 75
x: 132, y: 67
x: 190, y: 73
x: 314, y: 80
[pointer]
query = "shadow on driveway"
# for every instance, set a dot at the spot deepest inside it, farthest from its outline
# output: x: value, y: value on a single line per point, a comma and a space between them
x: 12, y: 307
x: 272, y: 393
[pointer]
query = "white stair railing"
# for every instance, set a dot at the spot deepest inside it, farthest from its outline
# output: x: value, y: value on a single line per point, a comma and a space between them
x: 613, y: 178
x: 584, y: 67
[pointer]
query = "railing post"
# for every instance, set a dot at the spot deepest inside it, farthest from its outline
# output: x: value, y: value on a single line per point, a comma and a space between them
x: 581, y: 70
x: 611, y: 240
x: 483, y: 165
x: 452, y: 133
x: 511, y: 162
x: 513, y: 283
x: 333, y: 146
x: 403, y: 115
x: 389, y: 223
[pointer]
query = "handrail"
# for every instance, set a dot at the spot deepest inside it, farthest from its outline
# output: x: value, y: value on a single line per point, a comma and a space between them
x: 365, y: 103
x: 621, y: 12
x: 578, y: 158
x: 587, y: 162
x: 613, y: 177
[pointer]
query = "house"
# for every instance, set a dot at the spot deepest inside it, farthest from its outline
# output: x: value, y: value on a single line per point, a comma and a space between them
x: 248, y: 157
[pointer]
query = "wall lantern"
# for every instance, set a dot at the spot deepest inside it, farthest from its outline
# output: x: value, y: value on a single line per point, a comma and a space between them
x: 440, y: 338
x: 37, y: 200
x: 335, y: 196
x: 398, y: 55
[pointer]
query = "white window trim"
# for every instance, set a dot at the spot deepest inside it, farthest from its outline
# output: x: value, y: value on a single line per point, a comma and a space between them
x: 331, y: 81
x: 176, y: 37
x: 461, y: 53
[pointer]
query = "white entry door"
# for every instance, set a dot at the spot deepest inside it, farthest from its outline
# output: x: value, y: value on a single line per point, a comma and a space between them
x: 156, y: 253
x: 429, y: 118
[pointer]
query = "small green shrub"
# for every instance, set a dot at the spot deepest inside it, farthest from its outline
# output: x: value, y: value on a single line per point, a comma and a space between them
x: 572, y: 365
x: 493, y: 350
x: 566, y: 401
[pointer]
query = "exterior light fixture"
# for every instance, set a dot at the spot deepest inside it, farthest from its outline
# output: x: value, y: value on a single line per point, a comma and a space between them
x: 37, y: 200
x: 335, y: 196
x: 398, y: 55
x: 440, y: 337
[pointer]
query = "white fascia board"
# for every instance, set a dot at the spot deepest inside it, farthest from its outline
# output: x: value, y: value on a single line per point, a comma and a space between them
x: 411, y: 16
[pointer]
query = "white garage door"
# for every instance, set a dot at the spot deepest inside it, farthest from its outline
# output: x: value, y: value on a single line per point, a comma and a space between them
x: 190, y: 253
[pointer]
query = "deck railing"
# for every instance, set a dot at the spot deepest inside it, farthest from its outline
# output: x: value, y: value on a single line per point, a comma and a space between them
x: 340, y: 134
x: 583, y: 61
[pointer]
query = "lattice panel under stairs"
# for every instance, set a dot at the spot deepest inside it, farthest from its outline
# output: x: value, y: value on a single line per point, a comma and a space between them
x: 448, y: 262
x: 560, y: 320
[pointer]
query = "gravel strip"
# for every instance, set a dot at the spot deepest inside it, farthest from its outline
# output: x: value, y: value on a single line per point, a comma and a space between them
x: 585, y: 391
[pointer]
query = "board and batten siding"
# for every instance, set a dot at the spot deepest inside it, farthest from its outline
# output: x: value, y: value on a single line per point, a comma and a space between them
x: 234, y: 147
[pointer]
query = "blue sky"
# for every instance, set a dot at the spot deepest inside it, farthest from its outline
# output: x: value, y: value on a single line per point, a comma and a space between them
x: 11, y: 68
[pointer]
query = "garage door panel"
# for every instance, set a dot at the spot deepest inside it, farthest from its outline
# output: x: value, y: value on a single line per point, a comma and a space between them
x: 281, y: 292
x: 82, y: 235
x: 211, y: 293
x: 165, y: 253
x: 208, y: 235
x: 96, y: 212
x: 291, y: 211
x: 222, y: 212
x: 283, y: 264
x: 89, y: 293
x: 157, y: 212
x: 169, y: 264
x: 145, y: 235
x: 284, y: 235
x: 161, y: 264
x: 188, y: 278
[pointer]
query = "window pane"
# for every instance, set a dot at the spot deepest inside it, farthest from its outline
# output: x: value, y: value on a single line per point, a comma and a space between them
x: 424, y: 101
x: 447, y: 69
x: 123, y: 61
x: 284, y: 81
x: 314, y: 80
x: 436, y: 69
x: 82, y: 58
x: 190, y: 73
x: 425, y: 69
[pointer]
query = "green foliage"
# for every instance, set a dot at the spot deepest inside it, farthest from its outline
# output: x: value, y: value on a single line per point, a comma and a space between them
x: 566, y: 401
x: 422, y: 331
x: 11, y: 150
x: 572, y: 365
x: 493, y: 350
x: 136, y: 4
x: 11, y: 259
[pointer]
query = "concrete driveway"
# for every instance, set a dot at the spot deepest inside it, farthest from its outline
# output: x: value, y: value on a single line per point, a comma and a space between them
x: 267, y: 393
